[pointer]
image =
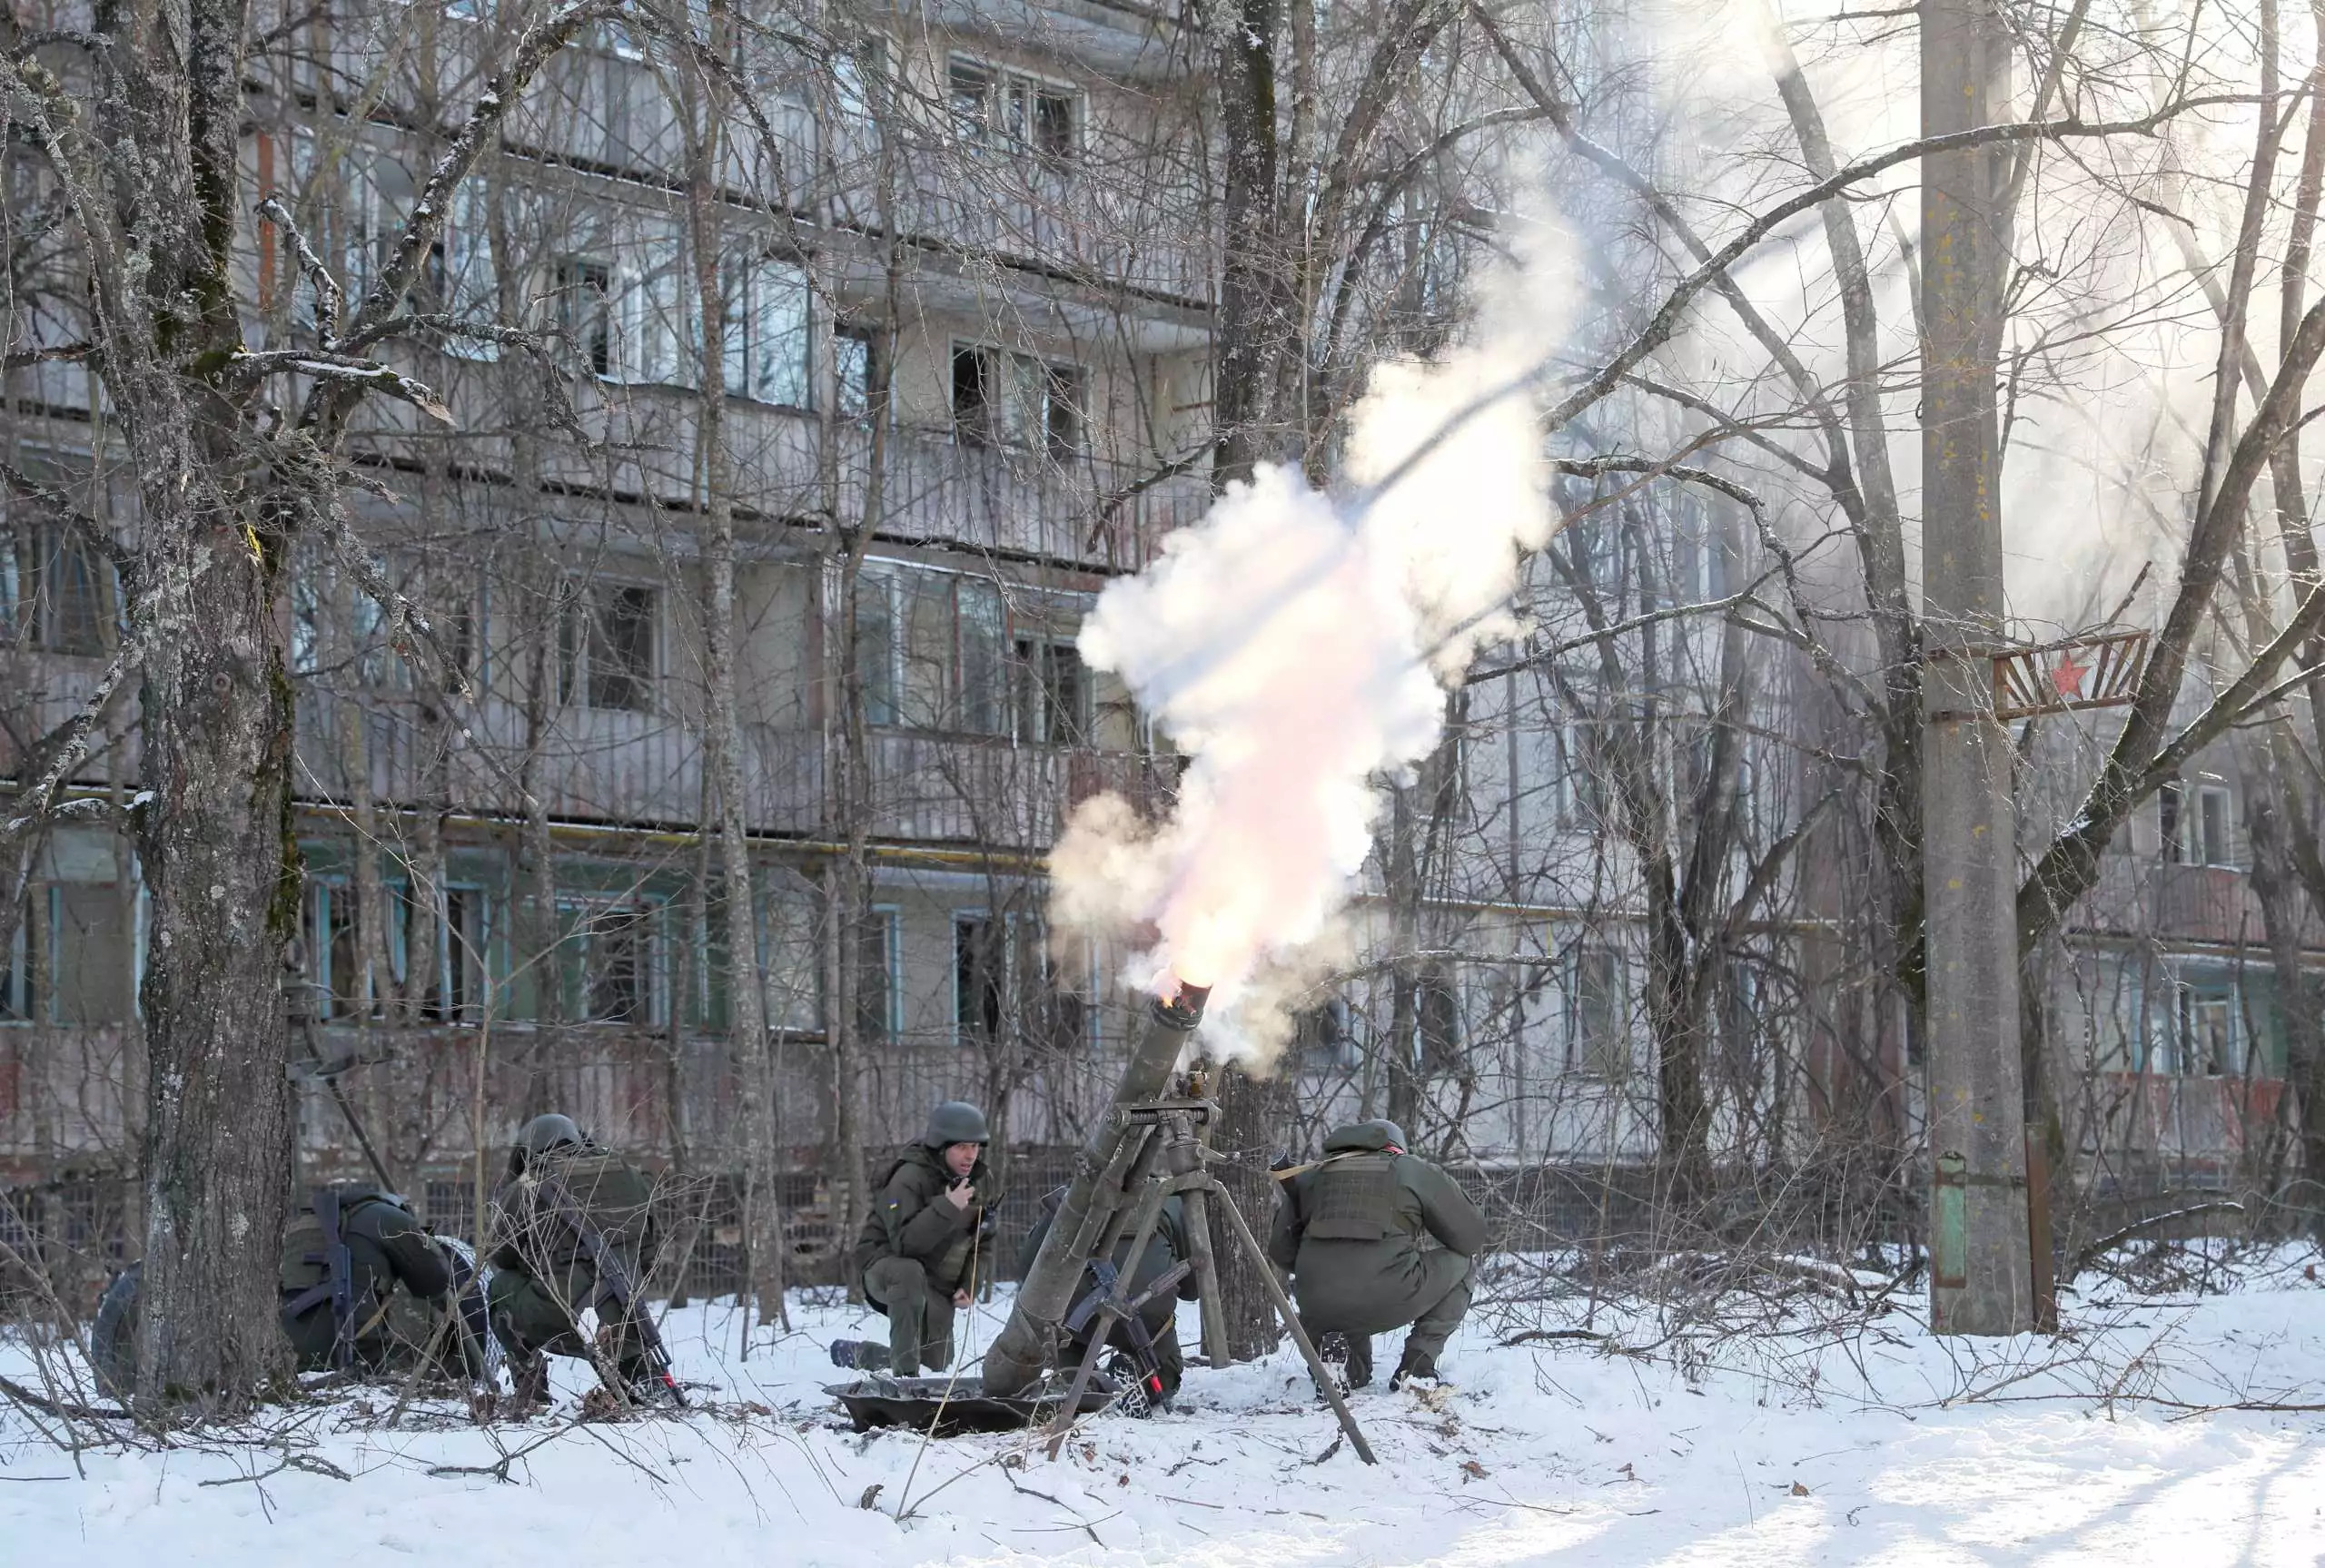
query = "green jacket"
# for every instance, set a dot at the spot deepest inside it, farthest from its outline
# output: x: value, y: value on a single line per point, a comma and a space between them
x: 1363, y: 1230
x: 387, y: 1247
x: 911, y: 1218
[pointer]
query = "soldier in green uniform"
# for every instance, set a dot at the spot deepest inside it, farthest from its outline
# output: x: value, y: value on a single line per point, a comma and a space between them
x: 1159, y: 1316
x: 1376, y: 1238
x: 363, y: 1286
x: 917, y: 1254
x: 387, y: 1247
x: 543, y: 1273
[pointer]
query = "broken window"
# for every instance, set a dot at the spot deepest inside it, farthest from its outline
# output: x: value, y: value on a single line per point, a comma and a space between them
x: 1052, y: 702
x: 879, y: 979
x: 1006, y: 399
x: 605, y: 651
x: 616, y: 964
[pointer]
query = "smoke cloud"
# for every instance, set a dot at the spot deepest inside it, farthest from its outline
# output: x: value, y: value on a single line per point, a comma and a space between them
x: 1297, y: 645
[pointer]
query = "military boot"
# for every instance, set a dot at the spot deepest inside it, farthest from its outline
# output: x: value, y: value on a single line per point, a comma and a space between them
x: 859, y: 1356
x: 1418, y: 1368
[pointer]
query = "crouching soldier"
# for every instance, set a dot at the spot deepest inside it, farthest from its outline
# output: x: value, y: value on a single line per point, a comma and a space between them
x: 1376, y: 1238
x: 349, y: 1260
x: 1158, y: 1319
x: 917, y: 1257
x: 574, y: 1231
x: 364, y: 1289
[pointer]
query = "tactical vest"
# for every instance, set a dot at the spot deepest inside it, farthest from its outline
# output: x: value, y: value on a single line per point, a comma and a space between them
x: 612, y: 1196
x: 1354, y: 1199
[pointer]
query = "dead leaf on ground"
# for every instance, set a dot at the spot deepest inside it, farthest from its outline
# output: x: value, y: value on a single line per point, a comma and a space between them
x: 1798, y: 1490
x: 1474, y: 1470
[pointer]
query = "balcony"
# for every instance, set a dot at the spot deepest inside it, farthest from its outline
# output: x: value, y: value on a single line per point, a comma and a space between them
x: 2205, y: 1124
x: 596, y: 765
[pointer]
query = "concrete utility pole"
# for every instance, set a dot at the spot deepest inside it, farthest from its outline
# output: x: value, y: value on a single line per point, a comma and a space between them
x: 1979, y: 1276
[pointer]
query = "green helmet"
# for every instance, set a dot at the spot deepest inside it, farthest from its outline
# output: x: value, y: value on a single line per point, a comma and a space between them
x: 1396, y: 1134
x: 956, y: 1121
x: 546, y: 1131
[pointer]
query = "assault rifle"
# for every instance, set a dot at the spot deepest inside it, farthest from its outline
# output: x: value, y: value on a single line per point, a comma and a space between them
x: 614, y: 1284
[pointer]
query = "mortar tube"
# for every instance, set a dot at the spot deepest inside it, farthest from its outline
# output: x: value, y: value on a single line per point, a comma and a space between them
x: 1019, y: 1353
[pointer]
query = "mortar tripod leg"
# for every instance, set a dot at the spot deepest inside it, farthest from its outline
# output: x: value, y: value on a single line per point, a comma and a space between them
x: 1290, y: 1316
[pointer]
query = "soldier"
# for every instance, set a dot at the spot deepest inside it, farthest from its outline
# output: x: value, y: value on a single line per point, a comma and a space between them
x: 917, y: 1254
x: 565, y: 1199
x: 1376, y: 1238
x: 363, y: 1287
x: 1159, y: 1316
x: 379, y: 1243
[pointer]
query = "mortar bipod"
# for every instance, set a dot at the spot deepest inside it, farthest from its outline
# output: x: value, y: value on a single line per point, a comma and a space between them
x: 1170, y: 1159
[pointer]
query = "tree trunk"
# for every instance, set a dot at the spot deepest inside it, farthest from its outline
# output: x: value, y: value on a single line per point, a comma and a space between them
x: 746, y: 991
x: 1252, y: 1111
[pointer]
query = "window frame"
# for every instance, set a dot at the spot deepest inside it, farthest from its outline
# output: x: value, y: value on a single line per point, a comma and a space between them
x: 574, y: 666
x: 1057, y: 428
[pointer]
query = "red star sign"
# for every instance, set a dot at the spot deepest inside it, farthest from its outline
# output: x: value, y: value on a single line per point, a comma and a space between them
x: 2067, y: 678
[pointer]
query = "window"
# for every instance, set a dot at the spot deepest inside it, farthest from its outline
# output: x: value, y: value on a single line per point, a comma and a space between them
x: 585, y: 313
x: 997, y: 109
x: 1437, y: 1017
x: 929, y: 650
x: 1598, y: 1039
x: 980, y: 979
x: 1580, y: 789
x: 468, y: 285
x: 1004, y: 399
x: 2211, y: 1045
x: 1052, y: 700
x: 1005, y: 985
x: 2212, y: 841
x: 1323, y: 1039
x: 605, y: 647
x: 879, y: 977
x: 969, y: 92
x: 857, y: 384
x: 651, y: 302
x: 16, y: 992
x: 455, y: 989
x: 616, y: 964
x: 767, y: 338
x: 54, y: 591
x: 335, y: 979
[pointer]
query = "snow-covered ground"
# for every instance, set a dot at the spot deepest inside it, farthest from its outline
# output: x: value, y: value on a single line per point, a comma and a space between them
x: 2108, y: 1446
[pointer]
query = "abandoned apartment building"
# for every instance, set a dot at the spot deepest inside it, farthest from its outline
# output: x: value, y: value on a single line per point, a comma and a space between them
x: 968, y: 282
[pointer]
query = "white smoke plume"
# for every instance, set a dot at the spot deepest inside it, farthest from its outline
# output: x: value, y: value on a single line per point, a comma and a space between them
x: 1296, y: 645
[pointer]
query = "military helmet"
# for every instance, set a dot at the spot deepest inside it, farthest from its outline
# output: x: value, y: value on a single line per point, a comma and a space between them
x: 956, y: 1121
x: 1396, y: 1134
x: 545, y: 1131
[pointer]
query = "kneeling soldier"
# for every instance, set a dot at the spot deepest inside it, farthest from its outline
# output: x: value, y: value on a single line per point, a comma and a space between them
x: 917, y: 1254
x: 1377, y: 1238
x: 575, y: 1231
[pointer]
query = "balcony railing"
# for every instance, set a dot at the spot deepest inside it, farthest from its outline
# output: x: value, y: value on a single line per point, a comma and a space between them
x: 596, y: 765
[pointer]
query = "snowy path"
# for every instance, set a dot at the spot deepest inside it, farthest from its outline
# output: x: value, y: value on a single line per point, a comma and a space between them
x: 1554, y: 1455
